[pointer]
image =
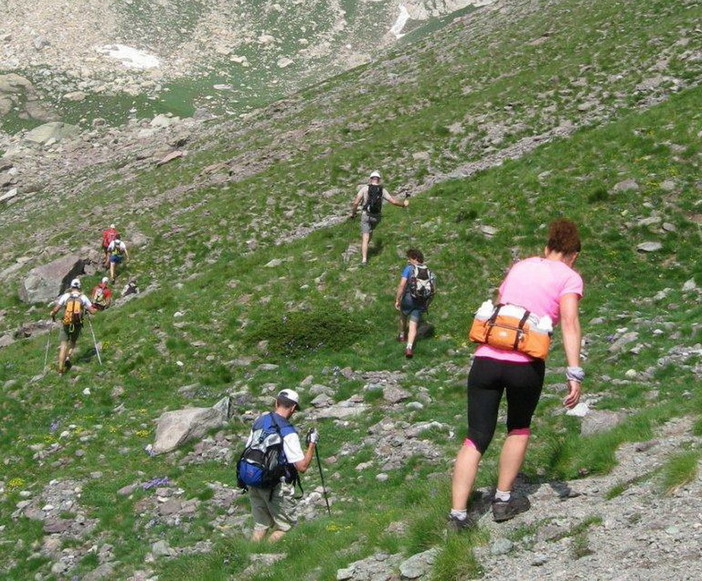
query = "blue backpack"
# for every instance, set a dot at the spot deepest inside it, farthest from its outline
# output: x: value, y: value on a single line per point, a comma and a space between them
x: 262, y: 464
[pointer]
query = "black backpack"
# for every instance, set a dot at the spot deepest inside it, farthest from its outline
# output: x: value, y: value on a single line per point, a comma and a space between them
x: 374, y: 200
x: 422, y: 284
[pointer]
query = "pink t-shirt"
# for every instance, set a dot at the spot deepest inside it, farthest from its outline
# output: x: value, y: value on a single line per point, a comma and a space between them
x: 537, y: 284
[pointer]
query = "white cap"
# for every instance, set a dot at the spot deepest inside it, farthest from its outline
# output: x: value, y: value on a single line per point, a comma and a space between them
x: 375, y: 174
x: 291, y: 395
x: 105, y: 279
x: 75, y: 283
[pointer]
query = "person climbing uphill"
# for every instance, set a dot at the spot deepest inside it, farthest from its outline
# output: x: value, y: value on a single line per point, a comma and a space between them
x: 74, y: 303
x: 546, y: 286
x: 108, y: 236
x: 101, y: 295
x: 414, y: 293
x: 371, y: 197
x: 118, y: 253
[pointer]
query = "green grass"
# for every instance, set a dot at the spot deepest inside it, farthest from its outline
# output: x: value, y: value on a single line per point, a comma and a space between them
x: 680, y: 470
x: 229, y: 301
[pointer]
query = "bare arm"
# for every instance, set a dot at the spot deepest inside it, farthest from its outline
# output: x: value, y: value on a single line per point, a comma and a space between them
x: 356, y: 202
x: 395, y: 202
x: 400, y: 292
x: 570, y: 325
x: 304, y: 464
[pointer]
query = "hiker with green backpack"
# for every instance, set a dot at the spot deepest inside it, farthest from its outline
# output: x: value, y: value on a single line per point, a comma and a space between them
x: 370, y: 197
x: 75, y: 304
x: 412, y: 298
x: 269, y: 467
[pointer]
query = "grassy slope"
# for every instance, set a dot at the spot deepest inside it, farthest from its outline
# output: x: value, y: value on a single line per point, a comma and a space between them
x: 574, y: 177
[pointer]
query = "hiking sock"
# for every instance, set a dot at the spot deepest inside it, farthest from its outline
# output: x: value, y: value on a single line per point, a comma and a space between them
x: 409, y: 345
x: 459, y: 514
x: 503, y: 496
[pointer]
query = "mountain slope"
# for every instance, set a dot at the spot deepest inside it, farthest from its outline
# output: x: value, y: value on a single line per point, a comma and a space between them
x: 610, y: 91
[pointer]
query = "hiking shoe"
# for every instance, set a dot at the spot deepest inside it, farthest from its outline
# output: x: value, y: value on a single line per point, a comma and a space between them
x: 67, y: 364
x: 458, y: 525
x: 409, y: 353
x: 401, y: 338
x: 502, y: 511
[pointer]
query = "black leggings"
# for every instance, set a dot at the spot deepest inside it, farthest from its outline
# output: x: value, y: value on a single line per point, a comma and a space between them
x: 487, y: 380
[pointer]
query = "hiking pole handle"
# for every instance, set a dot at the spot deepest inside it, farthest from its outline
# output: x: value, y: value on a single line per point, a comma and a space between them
x: 321, y: 476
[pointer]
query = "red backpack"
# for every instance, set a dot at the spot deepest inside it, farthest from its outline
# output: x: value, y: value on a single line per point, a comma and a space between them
x: 108, y: 236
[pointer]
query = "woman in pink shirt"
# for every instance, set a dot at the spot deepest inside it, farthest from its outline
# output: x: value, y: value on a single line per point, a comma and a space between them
x: 544, y: 286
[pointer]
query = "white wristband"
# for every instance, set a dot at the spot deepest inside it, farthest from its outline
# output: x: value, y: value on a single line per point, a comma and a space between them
x: 575, y: 374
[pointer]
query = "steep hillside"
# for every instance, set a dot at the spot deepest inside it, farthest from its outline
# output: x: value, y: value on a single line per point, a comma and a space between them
x: 506, y: 118
x: 95, y: 58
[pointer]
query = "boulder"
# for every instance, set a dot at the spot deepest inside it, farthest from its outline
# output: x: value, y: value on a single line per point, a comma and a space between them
x: 420, y: 565
x: 55, y: 130
x: 44, y: 283
x: 14, y: 83
x: 599, y: 421
x: 179, y: 426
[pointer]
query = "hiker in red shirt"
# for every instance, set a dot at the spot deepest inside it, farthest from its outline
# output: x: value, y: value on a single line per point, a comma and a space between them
x: 101, y: 296
x: 108, y: 236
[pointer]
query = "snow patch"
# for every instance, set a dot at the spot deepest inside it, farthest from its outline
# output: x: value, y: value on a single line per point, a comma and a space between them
x: 132, y: 58
x: 400, y: 22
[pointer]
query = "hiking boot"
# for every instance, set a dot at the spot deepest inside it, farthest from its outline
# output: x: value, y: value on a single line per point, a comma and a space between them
x: 67, y: 364
x: 409, y: 353
x: 458, y: 525
x: 505, y: 510
x: 401, y: 338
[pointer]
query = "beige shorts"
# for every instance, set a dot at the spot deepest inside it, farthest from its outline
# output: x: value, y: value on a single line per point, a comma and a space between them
x: 369, y: 222
x: 69, y: 333
x: 278, y: 509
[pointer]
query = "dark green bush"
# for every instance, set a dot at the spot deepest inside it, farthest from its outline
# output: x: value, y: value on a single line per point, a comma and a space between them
x: 294, y: 334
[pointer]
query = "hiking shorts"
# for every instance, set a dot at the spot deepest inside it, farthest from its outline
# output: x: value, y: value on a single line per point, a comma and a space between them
x: 278, y: 510
x: 411, y: 309
x: 116, y: 258
x: 488, y: 379
x: 369, y: 222
x: 69, y: 333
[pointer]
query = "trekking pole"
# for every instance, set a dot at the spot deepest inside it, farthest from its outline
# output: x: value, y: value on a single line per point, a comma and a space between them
x: 48, y: 343
x: 321, y: 476
x: 94, y: 341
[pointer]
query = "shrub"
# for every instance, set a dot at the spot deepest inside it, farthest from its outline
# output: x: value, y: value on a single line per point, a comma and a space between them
x: 323, y: 327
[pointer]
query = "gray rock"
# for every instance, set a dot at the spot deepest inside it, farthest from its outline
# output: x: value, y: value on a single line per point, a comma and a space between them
x: 626, y: 185
x: 622, y: 341
x: 55, y: 130
x: 7, y: 196
x: 501, y: 547
x: 689, y: 285
x: 649, y: 246
x: 597, y: 421
x: 104, y: 571
x: 176, y: 427
x: 162, y: 549
x: 394, y: 394
x: 418, y: 566
x: 44, y: 283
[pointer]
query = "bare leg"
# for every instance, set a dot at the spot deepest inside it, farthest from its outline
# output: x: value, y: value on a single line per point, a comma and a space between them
x: 365, y: 241
x: 112, y: 271
x: 258, y: 535
x: 276, y: 536
x: 62, y: 355
x: 464, y: 473
x: 403, y: 325
x: 412, y: 335
x: 511, y: 460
